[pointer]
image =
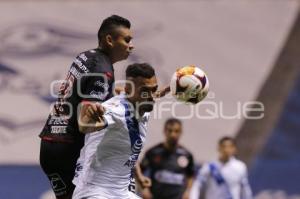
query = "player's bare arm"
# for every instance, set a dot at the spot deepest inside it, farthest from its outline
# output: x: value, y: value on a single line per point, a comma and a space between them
x: 186, y: 194
x: 161, y: 93
x: 144, y: 181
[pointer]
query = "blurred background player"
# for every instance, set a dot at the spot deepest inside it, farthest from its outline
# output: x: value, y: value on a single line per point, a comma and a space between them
x: 169, y: 165
x: 124, y: 131
x: 225, y: 178
x: 60, y: 138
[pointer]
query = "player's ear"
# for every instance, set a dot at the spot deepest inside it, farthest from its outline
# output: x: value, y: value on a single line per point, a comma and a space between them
x: 109, y: 40
x: 219, y: 148
x: 234, y: 150
x: 128, y: 87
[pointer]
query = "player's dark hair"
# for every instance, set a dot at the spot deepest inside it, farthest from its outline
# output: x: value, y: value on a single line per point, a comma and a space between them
x: 144, y: 70
x: 225, y: 139
x: 172, y: 121
x: 110, y: 24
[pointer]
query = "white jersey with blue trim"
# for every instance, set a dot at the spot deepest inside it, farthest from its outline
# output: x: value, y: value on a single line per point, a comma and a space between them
x: 110, y: 154
x: 217, y: 180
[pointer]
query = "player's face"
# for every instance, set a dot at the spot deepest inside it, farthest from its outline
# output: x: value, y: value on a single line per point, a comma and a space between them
x: 173, y: 133
x: 227, y: 149
x: 143, y: 93
x: 122, y: 44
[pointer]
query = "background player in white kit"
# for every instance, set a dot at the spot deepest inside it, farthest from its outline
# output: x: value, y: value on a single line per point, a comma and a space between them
x: 124, y: 129
x: 225, y: 178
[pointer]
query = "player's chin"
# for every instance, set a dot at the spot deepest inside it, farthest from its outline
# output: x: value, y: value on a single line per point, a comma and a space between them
x: 126, y: 55
x: 173, y: 142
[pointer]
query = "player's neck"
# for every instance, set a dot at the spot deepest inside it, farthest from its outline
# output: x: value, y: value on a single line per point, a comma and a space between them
x: 224, y: 159
x: 108, y: 54
x: 169, y: 147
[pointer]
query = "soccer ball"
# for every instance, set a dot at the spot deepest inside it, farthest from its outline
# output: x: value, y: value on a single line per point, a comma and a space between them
x: 189, y: 84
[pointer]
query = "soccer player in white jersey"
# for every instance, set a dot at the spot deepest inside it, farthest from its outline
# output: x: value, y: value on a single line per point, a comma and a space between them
x: 122, y: 134
x: 225, y: 178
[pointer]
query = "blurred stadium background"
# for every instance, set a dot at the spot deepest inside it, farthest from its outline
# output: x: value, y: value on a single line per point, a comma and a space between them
x: 249, y: 49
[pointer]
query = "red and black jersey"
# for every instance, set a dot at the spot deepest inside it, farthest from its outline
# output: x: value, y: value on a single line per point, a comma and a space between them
x: 90, y: 77
x: 168, y: 170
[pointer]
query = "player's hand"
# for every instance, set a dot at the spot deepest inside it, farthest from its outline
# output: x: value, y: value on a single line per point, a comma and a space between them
x: 162, y: 92
x: 186, y: 195
x: 91, y: 117
x: 93, y: 110
x: 145, y: 181
x: 146, y: 194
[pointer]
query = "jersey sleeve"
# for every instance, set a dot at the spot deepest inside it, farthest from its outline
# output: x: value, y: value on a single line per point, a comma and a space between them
x: 146, y: 164
x: 190, y: 169
x: 113, y: 115
x: 246, y: 192
x: 109, y: 120
x: 94, y: 82
x: 95, y: 87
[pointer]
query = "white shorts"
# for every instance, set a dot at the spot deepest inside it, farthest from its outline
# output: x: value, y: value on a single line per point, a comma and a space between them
x: 95, y: 192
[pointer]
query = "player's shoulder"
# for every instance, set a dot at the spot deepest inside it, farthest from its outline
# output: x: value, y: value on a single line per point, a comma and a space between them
x: 85, y: 55
x: 204, y: 169
x: 239, y: 164
x: 114, y: 105
x: 181, y: 150
x: 95, y: 60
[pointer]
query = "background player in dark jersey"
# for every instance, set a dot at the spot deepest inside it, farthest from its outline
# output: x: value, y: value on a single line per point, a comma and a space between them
x: 169, y: 165
x: 90, y: 78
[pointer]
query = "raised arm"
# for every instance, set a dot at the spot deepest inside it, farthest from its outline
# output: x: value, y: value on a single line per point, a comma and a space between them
x: 162, y: 92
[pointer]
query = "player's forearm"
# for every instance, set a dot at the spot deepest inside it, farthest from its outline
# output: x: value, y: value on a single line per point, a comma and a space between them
x: 187, y: 192
x: 90, y: 128
x: 138, y: 171
x: 189, y: 183
x: 144, y: 181
x: 86, y: 130
x: 162, y: 92
x: 246, y: 191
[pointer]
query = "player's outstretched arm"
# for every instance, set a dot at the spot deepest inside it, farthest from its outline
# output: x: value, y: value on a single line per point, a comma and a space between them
x: 91, y: 117
x: 162, y: 92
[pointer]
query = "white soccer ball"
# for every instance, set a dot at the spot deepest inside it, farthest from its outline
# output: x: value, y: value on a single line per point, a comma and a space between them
x: 189, y: 84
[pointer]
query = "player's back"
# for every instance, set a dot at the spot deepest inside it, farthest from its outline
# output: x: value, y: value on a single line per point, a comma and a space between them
x: 90, y: 77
